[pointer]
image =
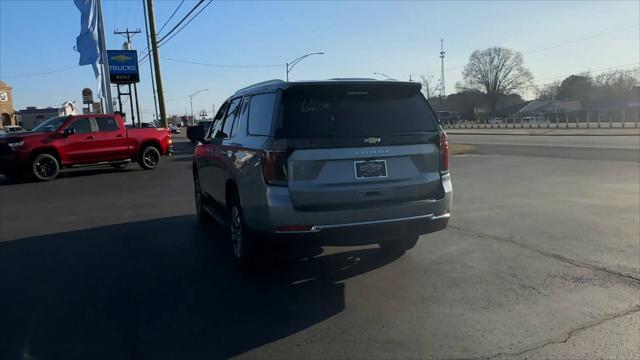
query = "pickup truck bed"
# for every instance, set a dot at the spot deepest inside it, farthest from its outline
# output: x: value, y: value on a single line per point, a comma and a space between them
x: 80, y: 140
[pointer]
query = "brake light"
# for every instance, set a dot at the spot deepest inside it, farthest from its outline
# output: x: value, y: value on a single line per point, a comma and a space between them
x: 274, y: 167
x: 444, y: 152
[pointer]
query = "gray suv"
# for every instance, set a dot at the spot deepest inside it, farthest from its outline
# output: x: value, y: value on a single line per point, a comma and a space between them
x: 333, y: 162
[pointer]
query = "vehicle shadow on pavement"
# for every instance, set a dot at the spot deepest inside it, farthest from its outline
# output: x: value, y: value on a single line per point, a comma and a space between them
x: 72, y: 173
x: 159, y: 289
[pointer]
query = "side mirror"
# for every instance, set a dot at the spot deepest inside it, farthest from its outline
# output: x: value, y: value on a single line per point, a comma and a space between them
x: 221, y: 135
x: 69, y: 131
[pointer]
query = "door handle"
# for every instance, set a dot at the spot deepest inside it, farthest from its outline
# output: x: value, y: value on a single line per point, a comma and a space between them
x: 119, y: 135
x: 90, y: 137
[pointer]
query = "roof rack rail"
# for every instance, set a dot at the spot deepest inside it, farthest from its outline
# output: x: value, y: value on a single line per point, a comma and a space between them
x: 262, y: 83
x: 353, y: 79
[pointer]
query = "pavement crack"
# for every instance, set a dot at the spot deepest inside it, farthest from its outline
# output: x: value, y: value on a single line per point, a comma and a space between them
x: 567, y: 336
x: 549, y: 254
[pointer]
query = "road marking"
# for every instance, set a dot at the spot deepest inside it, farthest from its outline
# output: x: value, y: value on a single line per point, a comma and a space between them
x: 557, y: 145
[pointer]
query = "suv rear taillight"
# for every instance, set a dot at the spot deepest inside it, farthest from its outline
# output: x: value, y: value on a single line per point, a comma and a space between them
x: 274, y: 167
x: 444, y: 152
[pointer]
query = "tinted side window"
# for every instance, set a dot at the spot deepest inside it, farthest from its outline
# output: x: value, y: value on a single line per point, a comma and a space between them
x: 261, y: 114
x: 107, y: 124
x: 231, y: 116
x: 82, y: 126
x: 217, y: 121
x: 215, y: 127
x: 221, y: 111
x: 241, y: 118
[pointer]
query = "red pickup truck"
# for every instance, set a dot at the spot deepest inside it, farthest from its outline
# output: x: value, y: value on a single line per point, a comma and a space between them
x: 80, y: 140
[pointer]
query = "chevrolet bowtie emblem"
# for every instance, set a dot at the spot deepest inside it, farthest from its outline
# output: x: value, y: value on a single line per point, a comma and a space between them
x: 120, y: 58
x: 372, y: 140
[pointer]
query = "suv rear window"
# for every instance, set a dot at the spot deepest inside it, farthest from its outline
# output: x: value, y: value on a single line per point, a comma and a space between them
x: 355, y: 110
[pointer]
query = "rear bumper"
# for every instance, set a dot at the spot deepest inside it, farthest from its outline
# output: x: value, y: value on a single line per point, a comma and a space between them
x: 365, y: 233
x: 368, y: 224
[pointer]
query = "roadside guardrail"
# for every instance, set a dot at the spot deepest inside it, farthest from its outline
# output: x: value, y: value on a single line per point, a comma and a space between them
x: 575, y: 120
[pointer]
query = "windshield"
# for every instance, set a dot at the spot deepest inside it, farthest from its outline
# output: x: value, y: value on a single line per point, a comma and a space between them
x: 50, y: 125
x: 355, y: 110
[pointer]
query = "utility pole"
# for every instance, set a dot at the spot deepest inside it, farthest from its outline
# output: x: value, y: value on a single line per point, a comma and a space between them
x: 442, y: 90
x: 153, y: 82
x: 156, y: 61
x: 106, y: 83
x: 127, y: 46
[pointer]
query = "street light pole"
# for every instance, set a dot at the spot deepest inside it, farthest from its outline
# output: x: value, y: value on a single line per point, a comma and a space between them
x: 291, y: 64
x: 191, y: 101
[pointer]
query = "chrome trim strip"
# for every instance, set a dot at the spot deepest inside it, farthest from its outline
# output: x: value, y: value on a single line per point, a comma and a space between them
x: 319, y: 228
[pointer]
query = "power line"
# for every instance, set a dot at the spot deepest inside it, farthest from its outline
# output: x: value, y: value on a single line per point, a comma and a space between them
x: 595, y: 70
x: 42, y: 73
x: 580, y: 38
x: 583, y: 37
x: 221, y: 65
x: 185, y: 25
x: 534, y: 86
x: 171, y: 17
x: 181, y: 21
x: 170, y: 35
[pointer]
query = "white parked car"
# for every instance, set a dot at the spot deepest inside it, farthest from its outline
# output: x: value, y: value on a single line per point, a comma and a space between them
x: 12, y: 129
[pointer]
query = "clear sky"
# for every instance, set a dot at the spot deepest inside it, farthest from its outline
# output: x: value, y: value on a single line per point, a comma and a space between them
x: 359, y: 38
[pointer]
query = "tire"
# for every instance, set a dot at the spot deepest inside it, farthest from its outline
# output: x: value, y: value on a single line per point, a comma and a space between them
x: 119, y: 165
x: 45, y: 167
x: 199, y: 199
x: 400, y: 245
x: 243, y: 241
x: 149, y: 157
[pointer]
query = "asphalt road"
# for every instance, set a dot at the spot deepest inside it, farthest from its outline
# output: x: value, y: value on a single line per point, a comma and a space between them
x: 590, y: 142
x: 540, y: 260
x: 621, y: 148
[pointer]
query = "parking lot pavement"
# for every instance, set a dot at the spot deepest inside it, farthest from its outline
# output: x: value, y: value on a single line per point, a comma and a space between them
x: 541, y: 259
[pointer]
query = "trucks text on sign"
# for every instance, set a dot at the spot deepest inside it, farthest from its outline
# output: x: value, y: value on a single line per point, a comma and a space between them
x: 123, y: 66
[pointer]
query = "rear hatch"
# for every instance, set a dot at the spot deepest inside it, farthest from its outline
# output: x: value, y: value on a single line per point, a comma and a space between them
x: 359, y: 145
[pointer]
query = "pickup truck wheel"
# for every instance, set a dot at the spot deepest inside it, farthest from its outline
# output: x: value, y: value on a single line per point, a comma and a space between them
x: 45, y: 167
x: 242, y: 238
x: 149, y: 157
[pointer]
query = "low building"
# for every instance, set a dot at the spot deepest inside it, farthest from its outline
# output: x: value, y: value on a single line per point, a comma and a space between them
x: 32, y: 115
x: 7, y: 116
x: 548, y: 107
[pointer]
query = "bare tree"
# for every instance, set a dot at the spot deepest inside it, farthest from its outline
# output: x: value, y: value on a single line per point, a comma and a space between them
x: 429, y: 89
x: 496, y: 71
x: 548, y: 91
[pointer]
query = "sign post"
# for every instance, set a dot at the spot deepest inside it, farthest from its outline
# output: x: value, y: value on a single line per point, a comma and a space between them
x: 123, y: 69
x: 87, y: 98
x: 97, y: 107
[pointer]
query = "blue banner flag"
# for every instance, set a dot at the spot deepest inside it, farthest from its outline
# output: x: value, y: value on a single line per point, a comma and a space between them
x: 87, y: 42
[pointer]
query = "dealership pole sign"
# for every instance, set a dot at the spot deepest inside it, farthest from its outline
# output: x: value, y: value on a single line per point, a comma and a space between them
x: 87, y: 96
x: 123, y: 66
